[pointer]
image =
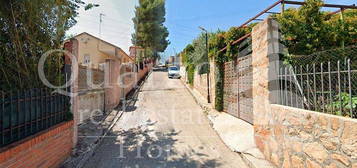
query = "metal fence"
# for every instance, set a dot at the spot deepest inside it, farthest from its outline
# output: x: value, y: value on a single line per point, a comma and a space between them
x: 26, y: 113
x: 328, y: 87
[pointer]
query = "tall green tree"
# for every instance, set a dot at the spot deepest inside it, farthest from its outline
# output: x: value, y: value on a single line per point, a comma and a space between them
x: 151, y: 34
x: 28, y: 29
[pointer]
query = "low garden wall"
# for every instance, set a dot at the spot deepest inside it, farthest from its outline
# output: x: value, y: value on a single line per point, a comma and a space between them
x: 291, y: 137
x: 45, y: 149
x: 200, y: 84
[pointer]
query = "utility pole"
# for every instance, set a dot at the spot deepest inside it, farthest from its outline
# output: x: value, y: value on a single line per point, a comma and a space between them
x: 100, y: 24
x: 208, y: 70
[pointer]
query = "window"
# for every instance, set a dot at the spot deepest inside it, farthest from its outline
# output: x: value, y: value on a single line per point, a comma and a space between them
x: 173, y: 68
x: 86, y: 59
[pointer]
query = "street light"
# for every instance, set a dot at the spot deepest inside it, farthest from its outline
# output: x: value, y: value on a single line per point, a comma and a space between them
x: 208, y: 70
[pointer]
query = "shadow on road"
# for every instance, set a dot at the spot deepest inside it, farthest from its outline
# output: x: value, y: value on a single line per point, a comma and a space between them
x: 143, y: 148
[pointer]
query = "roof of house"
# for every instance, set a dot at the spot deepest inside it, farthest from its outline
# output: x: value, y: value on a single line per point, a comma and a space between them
x: 121, y: 50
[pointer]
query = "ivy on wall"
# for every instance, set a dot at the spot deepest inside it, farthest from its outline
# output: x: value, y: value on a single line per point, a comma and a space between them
x: 216, y: 43
x: 190, y: 74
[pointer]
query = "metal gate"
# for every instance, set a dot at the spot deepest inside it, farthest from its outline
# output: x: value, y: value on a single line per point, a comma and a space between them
x: 245, y: 83
x: 238, y: 83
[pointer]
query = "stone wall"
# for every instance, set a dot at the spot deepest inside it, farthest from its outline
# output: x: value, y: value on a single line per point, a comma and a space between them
x: 45, y: 149
x: 300, y: 138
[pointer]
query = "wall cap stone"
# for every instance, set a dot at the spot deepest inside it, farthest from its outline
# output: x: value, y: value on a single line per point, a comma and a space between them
x: 314, y: 113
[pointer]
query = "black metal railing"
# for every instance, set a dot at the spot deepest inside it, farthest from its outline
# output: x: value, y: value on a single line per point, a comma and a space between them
x: 328, y: 87
x: 25, y: 113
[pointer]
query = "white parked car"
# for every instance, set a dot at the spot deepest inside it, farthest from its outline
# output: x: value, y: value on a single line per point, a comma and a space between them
x: 174, y: 72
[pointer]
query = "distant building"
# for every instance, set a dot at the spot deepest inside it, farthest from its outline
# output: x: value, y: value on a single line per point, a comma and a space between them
x: 172, y: 60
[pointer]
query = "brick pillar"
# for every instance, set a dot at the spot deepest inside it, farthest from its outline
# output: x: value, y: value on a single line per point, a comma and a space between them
x: 265, y: 62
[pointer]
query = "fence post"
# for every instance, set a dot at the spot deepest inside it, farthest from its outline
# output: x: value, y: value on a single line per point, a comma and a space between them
x: 315, y: 90
x: 339, y: 86
x: 350, y: 87
x: 330, y: 86
x: 322, y: 87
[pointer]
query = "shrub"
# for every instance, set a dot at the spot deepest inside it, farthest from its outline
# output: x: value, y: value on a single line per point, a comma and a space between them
x: 190, y: 74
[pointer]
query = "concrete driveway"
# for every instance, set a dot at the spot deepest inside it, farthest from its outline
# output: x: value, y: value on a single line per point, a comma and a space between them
x: 165, y: 128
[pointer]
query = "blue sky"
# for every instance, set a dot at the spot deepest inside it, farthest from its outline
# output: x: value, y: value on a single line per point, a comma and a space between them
x: 182, y: 19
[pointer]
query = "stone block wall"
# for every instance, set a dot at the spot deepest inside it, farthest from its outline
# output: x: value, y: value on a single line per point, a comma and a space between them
x: 45, y: 149
x: 301, y: 138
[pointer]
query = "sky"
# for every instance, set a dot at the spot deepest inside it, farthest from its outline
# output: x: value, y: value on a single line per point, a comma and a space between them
x: 117, y: 25
x: 182, y: 19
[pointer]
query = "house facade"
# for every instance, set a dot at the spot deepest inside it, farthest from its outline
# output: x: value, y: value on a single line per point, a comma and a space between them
x: 93, y: 52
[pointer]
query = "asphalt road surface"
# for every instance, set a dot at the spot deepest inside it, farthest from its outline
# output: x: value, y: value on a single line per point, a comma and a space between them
x: 165, y: 128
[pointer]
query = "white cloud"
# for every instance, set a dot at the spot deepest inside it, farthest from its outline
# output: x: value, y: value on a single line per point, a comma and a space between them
x: 117, y: 25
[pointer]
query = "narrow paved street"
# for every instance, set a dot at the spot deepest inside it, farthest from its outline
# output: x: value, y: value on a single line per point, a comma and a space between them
x: 165, y: 128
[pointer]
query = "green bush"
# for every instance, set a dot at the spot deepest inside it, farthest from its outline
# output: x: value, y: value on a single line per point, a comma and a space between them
x: 308, y: 29
x: 232, y: 35
x: 190, y: 74
x: 344, y: 104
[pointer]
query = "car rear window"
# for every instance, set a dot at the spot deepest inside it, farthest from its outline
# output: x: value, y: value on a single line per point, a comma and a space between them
x: 173, y: 68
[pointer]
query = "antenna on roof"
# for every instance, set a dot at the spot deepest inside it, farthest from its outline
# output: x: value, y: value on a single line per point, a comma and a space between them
x: 100, y: 24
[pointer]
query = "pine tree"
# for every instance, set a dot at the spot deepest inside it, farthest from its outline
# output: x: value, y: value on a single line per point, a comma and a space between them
x: 151, y: 34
